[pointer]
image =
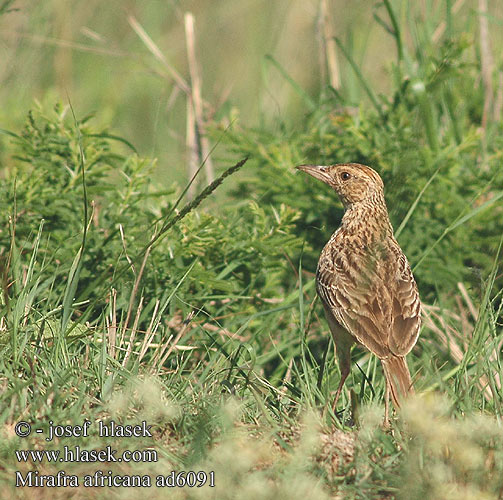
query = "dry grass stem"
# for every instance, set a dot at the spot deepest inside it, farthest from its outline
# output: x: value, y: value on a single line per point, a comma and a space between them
x: 468, y: 301
x: 466, y: 327
x: 157, y: 53
x: 133, y: 294
x: 149, y: 334
x: 440, y: 30
x: 498, y: 102
x: 133, y: 332
x: 112, y: 323
x: 197, y: 100
x: 456, y: 343
x: 121, y: 230
x: 192, y: 149
x: 486, y: 61
x: 448, y: 336
x: 67, y: 44
x: 223, y: 332
x: 161, y: 356
x: 288, y: 377
x: 93, y: 35
x: 328, y: 44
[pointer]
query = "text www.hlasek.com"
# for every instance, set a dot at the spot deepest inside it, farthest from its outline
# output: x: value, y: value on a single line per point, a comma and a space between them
x: 77, y: 454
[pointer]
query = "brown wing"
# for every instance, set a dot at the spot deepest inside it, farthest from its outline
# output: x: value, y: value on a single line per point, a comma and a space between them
x: 406, y: 309
x: 372, y: 295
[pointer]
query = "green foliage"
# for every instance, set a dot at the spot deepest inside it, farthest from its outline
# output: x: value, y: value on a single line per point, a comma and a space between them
x: 119, y: 303
x: 216, y: 265
x: 450, y: 179
x: 48, y: 186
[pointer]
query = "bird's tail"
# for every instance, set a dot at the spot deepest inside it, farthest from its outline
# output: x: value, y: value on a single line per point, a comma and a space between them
x: 398, y: 378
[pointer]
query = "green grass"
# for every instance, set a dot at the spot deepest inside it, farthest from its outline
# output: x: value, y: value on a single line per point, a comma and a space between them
x: 121, y: 301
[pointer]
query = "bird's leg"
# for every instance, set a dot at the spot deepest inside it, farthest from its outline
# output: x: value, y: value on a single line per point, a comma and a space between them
x: 342, y: 342
x: 344, y: 356
x: 386, y: 405
x: 344, y: 376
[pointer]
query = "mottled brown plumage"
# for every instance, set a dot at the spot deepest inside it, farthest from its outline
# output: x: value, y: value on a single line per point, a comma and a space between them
x: 364, y: 280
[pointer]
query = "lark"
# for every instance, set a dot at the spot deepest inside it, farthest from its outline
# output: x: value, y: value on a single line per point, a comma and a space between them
x: 365, y: 282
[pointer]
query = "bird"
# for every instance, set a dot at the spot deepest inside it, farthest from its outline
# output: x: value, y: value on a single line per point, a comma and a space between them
x: 365, y: 282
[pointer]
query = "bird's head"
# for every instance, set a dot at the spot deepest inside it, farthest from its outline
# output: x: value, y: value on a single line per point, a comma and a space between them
x: 353, y: 182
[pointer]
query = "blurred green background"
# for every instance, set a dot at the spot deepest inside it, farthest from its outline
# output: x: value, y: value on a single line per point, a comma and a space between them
x: 90, y: 52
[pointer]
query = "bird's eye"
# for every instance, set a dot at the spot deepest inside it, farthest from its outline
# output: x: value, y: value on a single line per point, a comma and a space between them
x: 345, y: 176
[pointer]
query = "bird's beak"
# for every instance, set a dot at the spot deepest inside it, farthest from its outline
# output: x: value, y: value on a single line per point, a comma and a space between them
x: 318, y: 171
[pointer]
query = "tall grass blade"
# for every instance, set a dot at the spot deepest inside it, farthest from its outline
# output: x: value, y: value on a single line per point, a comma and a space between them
x: 396, y: 30
x: 75, y: 270
x: 460, y: 221
x: 363, y: 82
x: 414, y: 205
x: 311, y: 105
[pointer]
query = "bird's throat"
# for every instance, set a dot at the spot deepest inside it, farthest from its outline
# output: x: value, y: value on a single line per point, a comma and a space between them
x: 367, y: 220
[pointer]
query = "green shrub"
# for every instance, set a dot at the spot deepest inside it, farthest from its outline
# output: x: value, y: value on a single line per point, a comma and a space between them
x: 458, y: 178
